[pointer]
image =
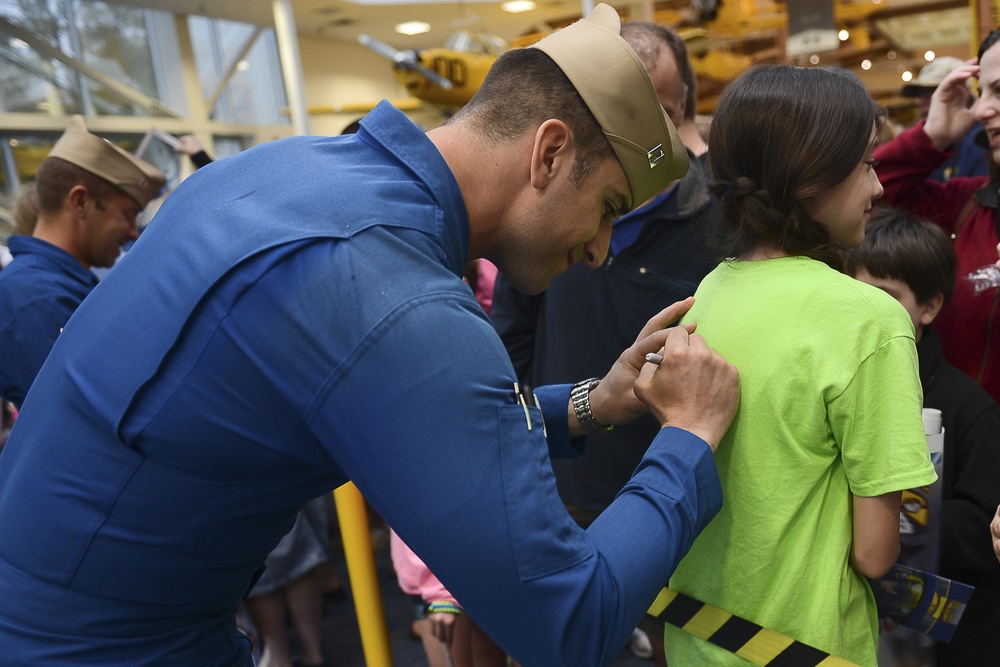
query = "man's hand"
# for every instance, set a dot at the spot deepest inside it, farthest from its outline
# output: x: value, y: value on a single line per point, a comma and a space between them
x: 950, y: 116
x: 693, y: 388
x: 189, y: 145
x: 613, y: 401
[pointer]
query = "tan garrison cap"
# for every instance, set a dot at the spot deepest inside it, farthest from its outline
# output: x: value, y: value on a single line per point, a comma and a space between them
x: 613, y: 82
x: 136, y: 178
x: 931, y: 75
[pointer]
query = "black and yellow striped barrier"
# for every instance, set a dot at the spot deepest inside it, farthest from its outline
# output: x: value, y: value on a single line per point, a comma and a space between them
x: 750, y: 641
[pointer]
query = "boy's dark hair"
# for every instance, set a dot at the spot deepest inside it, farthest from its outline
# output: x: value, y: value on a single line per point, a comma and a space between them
x: 901, y: 246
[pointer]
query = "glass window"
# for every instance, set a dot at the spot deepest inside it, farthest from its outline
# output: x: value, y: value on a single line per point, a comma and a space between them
x: 138, y: 48
x: 30, y: 82
x: 114, y: 40
x: 226, y: 146
x: 255, y: 93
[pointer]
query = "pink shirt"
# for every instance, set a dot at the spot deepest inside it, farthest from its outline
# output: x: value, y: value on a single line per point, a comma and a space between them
x: 414, y: 577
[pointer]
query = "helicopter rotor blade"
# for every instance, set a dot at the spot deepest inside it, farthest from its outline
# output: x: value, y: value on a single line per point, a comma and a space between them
x: 380, y: 48
x: 404, y: 60
x: 433, y: 76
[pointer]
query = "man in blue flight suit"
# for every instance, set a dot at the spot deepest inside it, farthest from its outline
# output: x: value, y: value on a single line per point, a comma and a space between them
x: 89, y: 194
x: 657, y: 255
x: 295, y: 317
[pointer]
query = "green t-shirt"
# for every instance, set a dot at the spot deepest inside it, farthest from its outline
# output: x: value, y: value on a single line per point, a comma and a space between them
x: 830, y: 406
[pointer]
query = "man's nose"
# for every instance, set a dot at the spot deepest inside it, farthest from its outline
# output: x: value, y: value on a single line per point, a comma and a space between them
x: 596, y: 250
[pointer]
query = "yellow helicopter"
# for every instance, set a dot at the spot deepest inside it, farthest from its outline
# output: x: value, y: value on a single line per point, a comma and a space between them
x: 448, y: 76
x: 718, y: 34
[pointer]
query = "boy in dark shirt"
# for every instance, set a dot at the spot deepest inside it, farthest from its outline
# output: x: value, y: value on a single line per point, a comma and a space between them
x: 913, y: 260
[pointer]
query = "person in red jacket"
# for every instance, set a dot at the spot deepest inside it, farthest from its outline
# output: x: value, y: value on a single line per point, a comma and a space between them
x: 966, y: 208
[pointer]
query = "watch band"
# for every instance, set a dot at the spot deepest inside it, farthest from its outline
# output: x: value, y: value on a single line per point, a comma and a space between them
x: 580, y: 396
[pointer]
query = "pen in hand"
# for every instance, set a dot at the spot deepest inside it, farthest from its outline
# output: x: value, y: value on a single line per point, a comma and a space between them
x: 653, y: 358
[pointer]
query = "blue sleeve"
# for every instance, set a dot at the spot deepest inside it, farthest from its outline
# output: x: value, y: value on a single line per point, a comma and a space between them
x: 554, y: 400
x: 26, y: 341
x: 423, y: 419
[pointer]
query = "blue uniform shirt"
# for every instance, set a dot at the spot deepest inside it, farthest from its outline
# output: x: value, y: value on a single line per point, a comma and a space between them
x: 628, y: 227
x: 39, y: 290
x: 969, y: 158
x: 295, y: 317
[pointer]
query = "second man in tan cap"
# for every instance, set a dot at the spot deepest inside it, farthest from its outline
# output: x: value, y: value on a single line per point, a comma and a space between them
x: 89, y: 194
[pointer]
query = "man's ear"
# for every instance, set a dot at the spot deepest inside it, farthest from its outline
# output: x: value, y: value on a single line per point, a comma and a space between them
x: 929, y: 310
x: 552, y: 152
x: 77, y: 198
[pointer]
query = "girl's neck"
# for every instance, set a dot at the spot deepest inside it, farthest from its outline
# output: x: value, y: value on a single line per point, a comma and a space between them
x: 760, y: 253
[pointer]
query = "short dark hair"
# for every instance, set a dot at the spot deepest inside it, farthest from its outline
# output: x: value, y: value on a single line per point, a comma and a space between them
x: 645, y: 38
x: 901, y: 246
x: 523, y: 89
x: 777, y: 139
x: 56, y: 177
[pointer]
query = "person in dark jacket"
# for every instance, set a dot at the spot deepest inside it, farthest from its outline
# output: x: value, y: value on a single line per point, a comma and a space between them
x: 912, y: 260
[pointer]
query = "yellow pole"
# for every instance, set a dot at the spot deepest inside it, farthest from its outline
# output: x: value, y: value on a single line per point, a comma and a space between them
x: 360, y: 557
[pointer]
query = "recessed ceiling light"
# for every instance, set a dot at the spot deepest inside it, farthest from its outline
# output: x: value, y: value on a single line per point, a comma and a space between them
x: 843, y: 35
x: 412, y: 28
x: 907, y: 75
x: 866, y: 64
x: 929, y: 56
x: 518, y: 6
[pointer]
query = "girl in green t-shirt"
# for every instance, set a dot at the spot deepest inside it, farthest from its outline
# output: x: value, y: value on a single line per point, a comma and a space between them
x: 829, y: 431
